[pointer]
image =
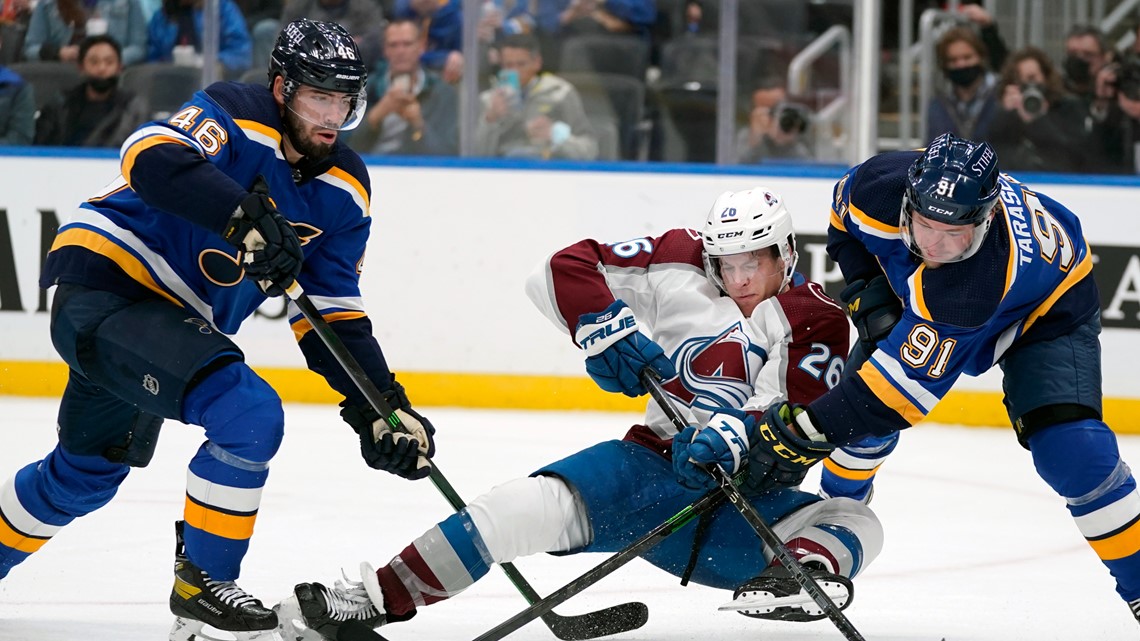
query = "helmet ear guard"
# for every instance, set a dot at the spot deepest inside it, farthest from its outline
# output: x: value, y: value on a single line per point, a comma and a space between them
x: 748, y: 221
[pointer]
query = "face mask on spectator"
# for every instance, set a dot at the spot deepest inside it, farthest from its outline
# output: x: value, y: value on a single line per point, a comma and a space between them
x: 1076, y: 69
x: 965, y: 76
x: 102, y: 85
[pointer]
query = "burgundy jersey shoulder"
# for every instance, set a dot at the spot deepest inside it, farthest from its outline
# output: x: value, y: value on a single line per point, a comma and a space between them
x: 819, y: 335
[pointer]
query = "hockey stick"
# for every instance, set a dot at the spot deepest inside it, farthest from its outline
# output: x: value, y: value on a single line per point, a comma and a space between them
x: 757, y: 522
x: 613, y: 620
x: 630, y: 552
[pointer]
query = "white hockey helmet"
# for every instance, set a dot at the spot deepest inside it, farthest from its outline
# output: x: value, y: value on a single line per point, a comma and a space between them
x: 747, y: 221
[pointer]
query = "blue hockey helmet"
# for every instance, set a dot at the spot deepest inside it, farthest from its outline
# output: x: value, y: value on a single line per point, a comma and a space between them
x: 322, y: 55
x: 954, y: 182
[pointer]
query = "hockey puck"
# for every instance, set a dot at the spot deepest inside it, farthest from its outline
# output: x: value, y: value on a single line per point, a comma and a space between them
x: 357, y: 631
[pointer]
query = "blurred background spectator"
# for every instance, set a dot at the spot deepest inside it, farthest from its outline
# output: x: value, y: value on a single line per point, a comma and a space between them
x: 1039, y: 127
x: 1087, y: 53
x: 966, y: 104
x: 17, y: 109
x: 1116, y: 135
x: 442, y: 24
x: 413, y: 112
x: 175, y: 34
x: 14, y: 18
x: 361, y: 18
x: 263, y: 18
x: 777, y: 128
x: 96, y: 112
x: 58, y: 26
x: 531, y: 114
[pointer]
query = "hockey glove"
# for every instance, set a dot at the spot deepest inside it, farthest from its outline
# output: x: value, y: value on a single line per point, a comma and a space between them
x: 779, y: 456
x: 874, y: 309
x: 617, y: 352
x: 724, y: 441
x: 272, y: 250
x: 404, y: 454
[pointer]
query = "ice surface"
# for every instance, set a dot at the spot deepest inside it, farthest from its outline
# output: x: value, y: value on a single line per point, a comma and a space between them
x: 977, y: 547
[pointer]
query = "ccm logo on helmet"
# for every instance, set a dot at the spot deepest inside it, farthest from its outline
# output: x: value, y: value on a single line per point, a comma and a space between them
x: 939, y: 210
x: 729, y: 234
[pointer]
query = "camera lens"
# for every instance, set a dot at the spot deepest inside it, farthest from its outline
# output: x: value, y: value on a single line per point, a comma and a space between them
x: 1032, y: 99
x: 791, y: 120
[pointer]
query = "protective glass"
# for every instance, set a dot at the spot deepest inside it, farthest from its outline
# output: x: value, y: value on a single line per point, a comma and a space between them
x: 329, y: 109
x: 945, y: 244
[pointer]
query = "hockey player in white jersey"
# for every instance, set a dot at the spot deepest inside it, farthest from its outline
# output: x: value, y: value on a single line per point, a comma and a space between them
x: 734, y: 329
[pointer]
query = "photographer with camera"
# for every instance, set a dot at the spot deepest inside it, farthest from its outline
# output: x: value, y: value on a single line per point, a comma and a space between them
x: 1039, y: 127
x: 1116, y: 116
x: 777, y: 128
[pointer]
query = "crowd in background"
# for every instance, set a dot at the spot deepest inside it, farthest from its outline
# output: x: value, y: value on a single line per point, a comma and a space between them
x: 571, y: 79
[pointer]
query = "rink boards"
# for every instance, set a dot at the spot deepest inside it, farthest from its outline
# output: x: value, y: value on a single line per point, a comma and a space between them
x: 453, y: 242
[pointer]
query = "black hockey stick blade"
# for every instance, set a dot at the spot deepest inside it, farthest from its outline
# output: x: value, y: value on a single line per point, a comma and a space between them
x: 600, y: 623
x: 357, y: 631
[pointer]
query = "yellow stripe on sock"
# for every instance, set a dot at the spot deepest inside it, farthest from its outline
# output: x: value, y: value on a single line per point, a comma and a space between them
x: 849, y: 474
x: 18, y: 541
x: 224, y: 525
x: 1120, y: 545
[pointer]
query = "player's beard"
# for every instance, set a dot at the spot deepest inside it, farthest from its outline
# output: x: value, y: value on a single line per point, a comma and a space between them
x: 296, y: 129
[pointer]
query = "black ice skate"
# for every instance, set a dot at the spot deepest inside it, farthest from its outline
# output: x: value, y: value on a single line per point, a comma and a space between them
x: 775, y: 594
x: 198, y: 601
x: 1135, y: 607
x: 316, y: 612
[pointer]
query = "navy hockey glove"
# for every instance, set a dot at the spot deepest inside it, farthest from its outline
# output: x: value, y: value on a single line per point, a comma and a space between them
x: 272, y: 250
x: 617, y: 352
x: 404, y: 454
x: 874, y: 309
x: 724, y: 441
x: 779, y: 456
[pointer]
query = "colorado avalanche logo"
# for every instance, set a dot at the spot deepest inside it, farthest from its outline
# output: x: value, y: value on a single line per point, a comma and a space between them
x: 716, y: 371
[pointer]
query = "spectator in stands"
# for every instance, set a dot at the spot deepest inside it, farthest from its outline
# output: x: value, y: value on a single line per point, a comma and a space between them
x: 263, y: 17
x: 58, y: 26
x: 443, y: 22
x: 966, y: 105
x: 544, y: 119
x: 96, y: 112
x: 1086, y: 54
x: 570, y: 17
x: 17, y: 109
x: 1115, y: 136
x: 417, y: 113
x: 14, y: 18
x: 179, y: 24
x: 1039, y: 127
x: 362, y: 19
x: 987, y: 31
x: 776, y: 127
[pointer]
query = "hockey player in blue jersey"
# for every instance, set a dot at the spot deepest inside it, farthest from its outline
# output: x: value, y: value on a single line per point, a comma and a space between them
x: 242, y: 191
x: 975, y: 270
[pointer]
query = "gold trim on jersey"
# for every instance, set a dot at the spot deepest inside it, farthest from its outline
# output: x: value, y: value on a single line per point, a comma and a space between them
x: 258, y: 128
x: 302, y: 326
x: 837, y: 221
x: 352, y: 183
x: 889, y: 395
x: 918, y: 298
x: 1075, y: 276
x: 142, y: 145
x: 100, y: 244
x: 865, y: 220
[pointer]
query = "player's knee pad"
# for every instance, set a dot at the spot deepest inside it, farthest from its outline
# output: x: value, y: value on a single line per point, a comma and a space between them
x: 240, y: 412
x: 1079, y: 460
x: 1033, y: 421
x: 843, y: 531
x: 530, y: 515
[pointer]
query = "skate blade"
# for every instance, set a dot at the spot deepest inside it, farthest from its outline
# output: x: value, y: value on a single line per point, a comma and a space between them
x: 763, y: 602
x: 291, y: 624
x: 193, y: 630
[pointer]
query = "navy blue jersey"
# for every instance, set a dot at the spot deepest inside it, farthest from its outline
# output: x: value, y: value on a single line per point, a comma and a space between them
x: 155, y: 230
x: 1031, y: 279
